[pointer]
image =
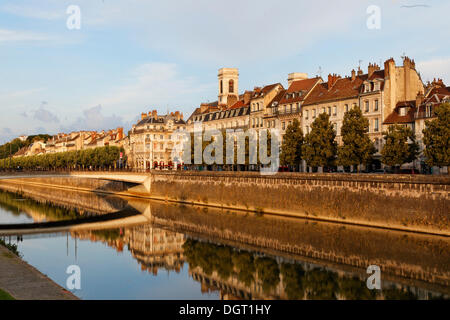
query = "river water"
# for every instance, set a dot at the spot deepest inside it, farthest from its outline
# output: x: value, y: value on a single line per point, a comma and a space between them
x: 154, y: 250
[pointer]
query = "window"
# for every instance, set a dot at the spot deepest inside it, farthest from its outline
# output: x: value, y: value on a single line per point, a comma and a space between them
x: 273, y: 123
x: 346, y: 108
x: 161, y: 137
x: 283, y: 125
x: 323, y: 109
x: 221, y: 86
x: 314, y: 113
x: 375, y: 107
x: 334, y: 110
x: 306, y: 114
x: 375, y: 125
x: 428, y: 111
x: 231, y: 86
x: 329, y: 111
x: 402, y: 112
x: 367, y: 106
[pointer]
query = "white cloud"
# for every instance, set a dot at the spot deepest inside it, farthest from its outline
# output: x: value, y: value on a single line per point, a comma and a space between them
x: 94, y: 119
x: 20, y: 93
x: 155, y: 85
x: 37, y: 12
x: 7, y: 35
x: 435, y: 68
x: 46, y: 116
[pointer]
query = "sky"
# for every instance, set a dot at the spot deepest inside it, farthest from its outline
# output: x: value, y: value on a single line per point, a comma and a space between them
x: 133, y: 56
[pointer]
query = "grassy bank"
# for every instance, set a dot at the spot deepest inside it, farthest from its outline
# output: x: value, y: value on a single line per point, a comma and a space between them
x: 5, y: 295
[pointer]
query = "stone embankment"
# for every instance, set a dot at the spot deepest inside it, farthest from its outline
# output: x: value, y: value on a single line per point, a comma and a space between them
x: 402, y: 202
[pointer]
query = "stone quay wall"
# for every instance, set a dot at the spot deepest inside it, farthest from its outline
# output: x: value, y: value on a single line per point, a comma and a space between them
x: 404, y: 202
x: 419, y: 203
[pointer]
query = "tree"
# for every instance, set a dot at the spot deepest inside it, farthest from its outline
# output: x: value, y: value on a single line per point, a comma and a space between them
x: 320, y: 147
x: 400, y: 146
x: 357, y: 147
x: 291, y: 148
x: 436, y: 137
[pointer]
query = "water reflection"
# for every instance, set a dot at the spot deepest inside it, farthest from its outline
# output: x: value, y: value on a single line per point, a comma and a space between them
x: 216, y: 254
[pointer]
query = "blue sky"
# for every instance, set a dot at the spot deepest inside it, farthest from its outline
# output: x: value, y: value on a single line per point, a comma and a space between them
x: 133, y: 56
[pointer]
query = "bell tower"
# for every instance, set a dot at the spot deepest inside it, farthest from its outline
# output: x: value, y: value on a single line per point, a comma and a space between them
x: 228, y: 85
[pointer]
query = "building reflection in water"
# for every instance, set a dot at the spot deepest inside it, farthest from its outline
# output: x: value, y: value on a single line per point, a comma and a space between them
x: 242, y: 274
x: 153, y: 248
x: 234, y: 272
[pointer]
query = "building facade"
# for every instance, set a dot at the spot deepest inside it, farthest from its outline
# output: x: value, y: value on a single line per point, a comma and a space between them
x: 153, y: 139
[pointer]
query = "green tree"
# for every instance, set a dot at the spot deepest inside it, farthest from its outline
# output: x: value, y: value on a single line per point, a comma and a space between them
x: 400, y: 146
x: 357, y: 147
x: 320, y: 148
x: 291, y: 148
x: 436, y: 137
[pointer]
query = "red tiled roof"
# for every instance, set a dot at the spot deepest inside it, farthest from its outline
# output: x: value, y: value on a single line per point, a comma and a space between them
x: 344, y: 88
x: 300, y: 88
x: 379, y: 74
x: 264, y: 90
x: 238, y: 104
x: 278, y: 97
x: 395, y: 116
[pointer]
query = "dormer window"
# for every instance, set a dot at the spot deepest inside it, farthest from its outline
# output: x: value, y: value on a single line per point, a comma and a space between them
x: 402, y: 112
x: 428, y: 111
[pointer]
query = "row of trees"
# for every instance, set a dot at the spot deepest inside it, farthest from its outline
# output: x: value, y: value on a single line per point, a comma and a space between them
x: 319, y: 147
x: 98, y: 158
x: 10, y: 148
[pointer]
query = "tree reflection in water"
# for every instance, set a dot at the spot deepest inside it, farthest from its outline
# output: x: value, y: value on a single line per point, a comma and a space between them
x: 266, y: 277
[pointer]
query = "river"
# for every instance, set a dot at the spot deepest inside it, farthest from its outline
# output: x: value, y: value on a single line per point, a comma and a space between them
x: 155, y: 250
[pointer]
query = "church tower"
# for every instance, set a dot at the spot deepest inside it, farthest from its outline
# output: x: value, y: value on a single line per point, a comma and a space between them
x: 228, y: 86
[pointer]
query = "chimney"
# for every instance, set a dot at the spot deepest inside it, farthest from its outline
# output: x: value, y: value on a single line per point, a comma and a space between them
x: 203, y: 107
x: 119, y: 133
x: 360, y: 72
x: 155, y: 114
x: 231, y: 100
x: 408, y: 63
x: 143, y: 116
x: 332, y: 78
x: 181, y: 116
x: 419, y: 99
x: 389, y: 66
x: 247, y: 96
x: 353, y: 74
x: 295, y: 76
x: 372, y: 68
x: 177, y: 115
